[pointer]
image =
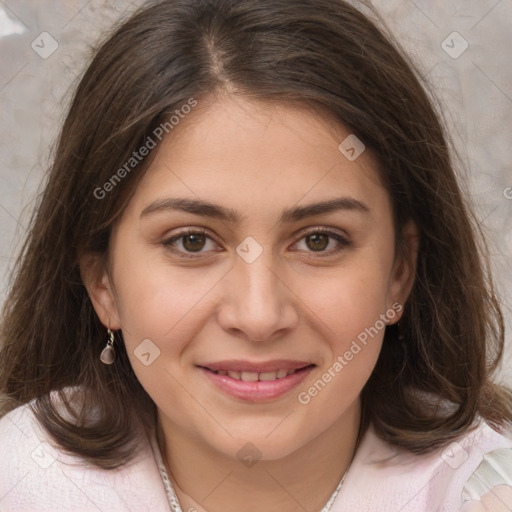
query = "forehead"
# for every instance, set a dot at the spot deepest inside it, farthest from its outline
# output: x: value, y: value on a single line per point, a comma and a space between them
x: 253, y: 156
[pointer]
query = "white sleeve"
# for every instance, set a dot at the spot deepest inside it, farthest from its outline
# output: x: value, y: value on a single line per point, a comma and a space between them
x: 489, y: 489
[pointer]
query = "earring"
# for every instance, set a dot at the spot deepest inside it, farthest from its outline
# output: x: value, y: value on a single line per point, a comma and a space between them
x: 400, y: 333
x: 108, y: 354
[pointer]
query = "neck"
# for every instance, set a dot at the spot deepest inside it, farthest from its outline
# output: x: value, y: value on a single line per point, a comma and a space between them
x: 208, y: 481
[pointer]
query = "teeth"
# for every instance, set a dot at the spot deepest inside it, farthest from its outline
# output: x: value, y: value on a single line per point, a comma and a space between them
x: 254, y: 376
x: 268, y: 376
x: 249, y: 376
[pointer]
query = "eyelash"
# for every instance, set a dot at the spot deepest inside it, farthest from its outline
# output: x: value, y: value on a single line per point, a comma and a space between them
x: 342, y: 241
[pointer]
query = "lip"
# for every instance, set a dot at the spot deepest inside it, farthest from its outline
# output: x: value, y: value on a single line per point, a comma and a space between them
x: 259, y: 391
x: 238, y: 365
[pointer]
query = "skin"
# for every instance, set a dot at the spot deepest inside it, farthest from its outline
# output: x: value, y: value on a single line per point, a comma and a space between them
x: 290, y: 303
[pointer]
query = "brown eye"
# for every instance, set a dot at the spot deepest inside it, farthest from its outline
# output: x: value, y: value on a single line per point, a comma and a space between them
x: 194, y: 242
x: 317, y: 241
x: 323, y: 242
x: 191, y: 243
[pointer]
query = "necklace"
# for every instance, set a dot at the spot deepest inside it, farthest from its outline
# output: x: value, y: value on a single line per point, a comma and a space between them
x: 173, y: 499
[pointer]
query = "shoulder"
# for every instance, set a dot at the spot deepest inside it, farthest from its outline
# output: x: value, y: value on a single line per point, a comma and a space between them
x: 487, y: 478
x: 36, y: 475
x: 471, y: 474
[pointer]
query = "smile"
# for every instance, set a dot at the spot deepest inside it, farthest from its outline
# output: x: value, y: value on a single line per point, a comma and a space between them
x: 242, y: 380
x: 254, y: 376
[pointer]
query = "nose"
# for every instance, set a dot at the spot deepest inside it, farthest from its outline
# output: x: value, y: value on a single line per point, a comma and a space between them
x: 257, y: 303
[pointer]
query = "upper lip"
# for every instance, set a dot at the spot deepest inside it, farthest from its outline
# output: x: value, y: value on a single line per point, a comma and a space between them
x: 248, y: 366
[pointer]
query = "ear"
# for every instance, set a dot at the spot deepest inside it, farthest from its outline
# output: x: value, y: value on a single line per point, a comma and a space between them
x: 98, y: 282
x: 404, y: 267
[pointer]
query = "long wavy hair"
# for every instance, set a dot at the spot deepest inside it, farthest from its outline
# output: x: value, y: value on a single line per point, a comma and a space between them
x: 323, y: 53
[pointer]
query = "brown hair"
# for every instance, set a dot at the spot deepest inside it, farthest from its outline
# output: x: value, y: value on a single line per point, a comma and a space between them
x: 323, y: 53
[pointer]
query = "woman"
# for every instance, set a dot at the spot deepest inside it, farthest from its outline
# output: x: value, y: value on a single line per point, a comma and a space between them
x: 252, y: 282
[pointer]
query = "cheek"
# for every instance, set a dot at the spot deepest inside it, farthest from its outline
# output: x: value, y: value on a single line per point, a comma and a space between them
x: 350, y: 299
x: 351, y: 309
x: 350, y: 312
x: 154, y: 297
x: 163, y: 304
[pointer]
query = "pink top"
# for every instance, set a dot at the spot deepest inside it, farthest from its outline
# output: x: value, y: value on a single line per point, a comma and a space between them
x: 36, y: 477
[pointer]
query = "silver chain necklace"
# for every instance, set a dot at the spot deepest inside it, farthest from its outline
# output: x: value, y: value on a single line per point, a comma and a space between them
x: 173, y: 499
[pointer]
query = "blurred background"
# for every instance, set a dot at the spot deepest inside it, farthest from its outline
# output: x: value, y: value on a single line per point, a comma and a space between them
x: 462, y: 47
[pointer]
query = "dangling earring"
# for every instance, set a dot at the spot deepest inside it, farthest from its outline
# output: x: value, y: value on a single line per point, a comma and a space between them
x: 400, y: 333
x: 108, y: 354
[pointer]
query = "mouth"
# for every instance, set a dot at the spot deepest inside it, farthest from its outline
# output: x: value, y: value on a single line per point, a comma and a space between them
x: 256, y: 382
x: 248, y: 376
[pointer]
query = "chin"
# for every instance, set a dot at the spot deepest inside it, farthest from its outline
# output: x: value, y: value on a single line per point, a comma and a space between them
x: 258, y: 443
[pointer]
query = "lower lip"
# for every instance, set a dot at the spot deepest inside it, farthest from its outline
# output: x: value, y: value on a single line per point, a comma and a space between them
x: 259, y: 391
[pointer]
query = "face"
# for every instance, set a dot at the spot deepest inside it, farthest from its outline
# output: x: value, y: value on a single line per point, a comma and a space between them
x: 247, y: 313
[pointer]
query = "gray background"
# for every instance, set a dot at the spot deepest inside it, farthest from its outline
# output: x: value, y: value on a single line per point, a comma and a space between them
x: 475, y: 89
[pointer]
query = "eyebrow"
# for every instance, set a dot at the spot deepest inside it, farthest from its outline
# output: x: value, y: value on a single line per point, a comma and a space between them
x: 207, y: 209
